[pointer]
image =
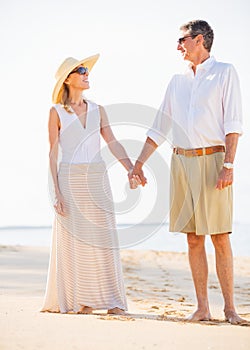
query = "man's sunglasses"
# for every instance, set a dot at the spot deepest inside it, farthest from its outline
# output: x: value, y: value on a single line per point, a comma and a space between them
x: 181, y: 40
x: 80, y: 70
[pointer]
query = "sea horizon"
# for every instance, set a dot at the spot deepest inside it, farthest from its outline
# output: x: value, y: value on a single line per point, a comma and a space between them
x: 153, y: 236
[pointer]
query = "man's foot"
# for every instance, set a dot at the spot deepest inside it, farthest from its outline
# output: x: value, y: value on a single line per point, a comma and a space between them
x: 86, y: 310
x: 116, y: 311
x: 233, y: 318
x: 199, y: 315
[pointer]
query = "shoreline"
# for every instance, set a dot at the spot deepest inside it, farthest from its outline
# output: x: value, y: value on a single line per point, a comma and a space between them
x: 160, y: 239
x: 160, y: 295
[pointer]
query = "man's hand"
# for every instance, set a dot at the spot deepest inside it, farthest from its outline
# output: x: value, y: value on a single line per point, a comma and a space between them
x: 225, y: 178
x: 138, y: 175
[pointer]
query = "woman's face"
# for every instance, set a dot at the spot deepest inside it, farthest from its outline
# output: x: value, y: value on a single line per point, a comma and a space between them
x: 78, y: 78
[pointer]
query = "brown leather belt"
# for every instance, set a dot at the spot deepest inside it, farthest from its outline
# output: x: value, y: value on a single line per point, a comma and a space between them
x: 196, y: 152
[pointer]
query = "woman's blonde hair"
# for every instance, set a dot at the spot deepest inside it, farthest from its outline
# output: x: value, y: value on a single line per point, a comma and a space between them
x: 62, y: 98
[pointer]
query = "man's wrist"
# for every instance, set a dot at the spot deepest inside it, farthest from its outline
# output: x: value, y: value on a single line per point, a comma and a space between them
x: 138, y: 165
x: 228, y: 165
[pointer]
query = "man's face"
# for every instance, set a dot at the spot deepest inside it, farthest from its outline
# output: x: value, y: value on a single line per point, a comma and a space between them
x: 187, y: 46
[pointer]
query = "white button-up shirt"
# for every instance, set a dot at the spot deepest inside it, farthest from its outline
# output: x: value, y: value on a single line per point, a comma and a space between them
x: 200, y: 110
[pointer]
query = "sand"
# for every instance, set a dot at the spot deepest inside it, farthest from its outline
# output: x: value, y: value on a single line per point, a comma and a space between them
x: 160, y: 295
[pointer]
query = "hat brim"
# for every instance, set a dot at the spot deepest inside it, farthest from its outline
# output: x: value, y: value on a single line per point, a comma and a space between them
x: 88, y: 62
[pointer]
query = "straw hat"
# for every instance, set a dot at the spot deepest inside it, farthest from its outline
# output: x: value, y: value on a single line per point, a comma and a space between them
x: 66, y: 67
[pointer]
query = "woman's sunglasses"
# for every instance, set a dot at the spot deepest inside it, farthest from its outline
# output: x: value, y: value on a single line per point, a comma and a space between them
x: 80, y: 70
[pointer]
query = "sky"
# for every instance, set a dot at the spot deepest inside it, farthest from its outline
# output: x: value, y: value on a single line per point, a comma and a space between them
x: 137, y: 45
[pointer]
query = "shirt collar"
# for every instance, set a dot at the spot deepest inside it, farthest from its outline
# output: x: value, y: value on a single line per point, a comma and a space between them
x: 206, y: 65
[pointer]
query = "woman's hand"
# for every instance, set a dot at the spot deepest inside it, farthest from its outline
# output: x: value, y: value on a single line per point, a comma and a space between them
x: 60, y: 204
x: 137, y: 173
x: 134, y: 180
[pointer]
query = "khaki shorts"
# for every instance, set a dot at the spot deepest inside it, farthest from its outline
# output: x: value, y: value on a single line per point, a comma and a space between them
x: 195, y: 204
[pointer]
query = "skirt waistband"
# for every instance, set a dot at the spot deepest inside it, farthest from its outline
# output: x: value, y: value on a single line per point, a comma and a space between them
x: 82, y: 167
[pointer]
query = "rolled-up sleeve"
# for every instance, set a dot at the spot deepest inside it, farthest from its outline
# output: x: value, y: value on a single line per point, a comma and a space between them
x: 232, y: 104
x: 162, y: 123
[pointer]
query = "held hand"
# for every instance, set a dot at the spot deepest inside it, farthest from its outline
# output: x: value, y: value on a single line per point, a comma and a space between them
x: 60, y: 205
x: 134, y: 180
x: 138, y: 174
x: 225, y: 178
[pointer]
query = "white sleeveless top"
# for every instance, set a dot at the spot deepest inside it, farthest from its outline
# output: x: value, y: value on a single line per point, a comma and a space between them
x: 79, y: 144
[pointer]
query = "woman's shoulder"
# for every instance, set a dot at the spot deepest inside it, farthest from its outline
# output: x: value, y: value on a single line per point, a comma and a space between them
x: 57, y: 107
x: 59, y: 111
x: 92, y: 104
x: 95, y: 107
x: 53, y: 110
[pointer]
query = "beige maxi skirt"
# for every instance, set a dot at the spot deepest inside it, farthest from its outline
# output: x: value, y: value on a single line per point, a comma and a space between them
x: 85, y: 267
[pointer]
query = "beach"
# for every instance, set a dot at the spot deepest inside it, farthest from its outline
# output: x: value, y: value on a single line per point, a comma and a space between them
x: 160, y: 296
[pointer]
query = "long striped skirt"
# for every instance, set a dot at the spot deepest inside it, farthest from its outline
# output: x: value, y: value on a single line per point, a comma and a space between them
x: 85, y: 267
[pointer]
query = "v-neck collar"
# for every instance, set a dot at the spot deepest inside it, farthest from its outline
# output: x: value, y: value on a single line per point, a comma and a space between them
x: 86, y: 119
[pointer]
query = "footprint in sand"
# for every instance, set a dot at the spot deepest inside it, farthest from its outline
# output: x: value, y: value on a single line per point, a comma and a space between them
x: 116, y: 318
x: 181, y: 299
x: 160, y: 290
x: 212, y: 286
x: 168, y: 285
x: 134, y: 289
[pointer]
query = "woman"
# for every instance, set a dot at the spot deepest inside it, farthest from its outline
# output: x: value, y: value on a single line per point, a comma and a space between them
x: 85, y: 272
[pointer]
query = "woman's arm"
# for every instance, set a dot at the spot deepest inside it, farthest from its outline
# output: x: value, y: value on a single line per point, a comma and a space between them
x: 54, y: 127
x: 117, y: 149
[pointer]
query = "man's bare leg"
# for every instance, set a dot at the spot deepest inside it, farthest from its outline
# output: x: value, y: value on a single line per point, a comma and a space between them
x: 199, y: 268
x: 224, y: 268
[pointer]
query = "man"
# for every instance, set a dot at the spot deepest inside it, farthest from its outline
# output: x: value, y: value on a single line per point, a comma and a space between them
x: 202, y: 109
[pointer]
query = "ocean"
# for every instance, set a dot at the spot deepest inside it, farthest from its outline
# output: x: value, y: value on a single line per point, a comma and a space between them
x: 131, y: 236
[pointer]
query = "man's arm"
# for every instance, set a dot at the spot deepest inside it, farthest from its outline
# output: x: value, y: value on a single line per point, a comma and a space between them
x: 148, y: 148
x: 158, y: 132
x: 226, y: 175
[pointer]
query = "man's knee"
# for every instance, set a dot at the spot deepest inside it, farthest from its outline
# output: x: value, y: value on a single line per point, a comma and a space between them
x: 195, y: 241
x: 221, y: 241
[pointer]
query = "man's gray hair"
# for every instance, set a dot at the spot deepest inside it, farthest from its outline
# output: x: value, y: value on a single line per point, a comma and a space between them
x: 200, y: 27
